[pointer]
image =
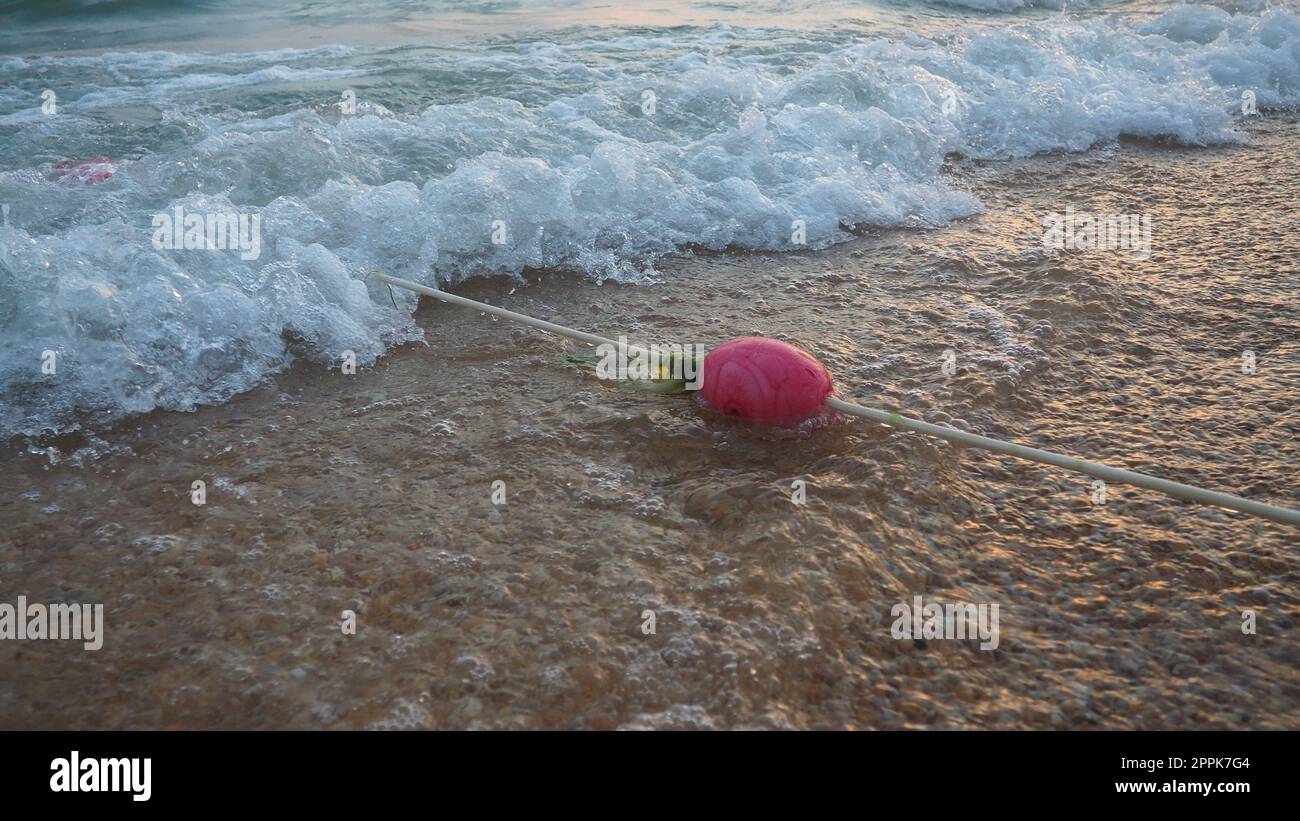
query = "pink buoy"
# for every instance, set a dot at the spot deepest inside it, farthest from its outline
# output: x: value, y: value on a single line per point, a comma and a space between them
x: 764, y: 380
x: 89, y: 172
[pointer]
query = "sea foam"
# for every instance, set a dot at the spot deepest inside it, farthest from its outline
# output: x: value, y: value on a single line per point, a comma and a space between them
x: 591, y: 155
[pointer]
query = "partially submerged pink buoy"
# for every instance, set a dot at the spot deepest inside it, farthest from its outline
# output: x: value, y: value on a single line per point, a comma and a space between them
x: 764, y: 380
x: 89, y: 172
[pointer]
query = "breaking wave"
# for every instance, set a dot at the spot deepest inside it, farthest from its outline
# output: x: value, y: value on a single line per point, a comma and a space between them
x: 593, y: 154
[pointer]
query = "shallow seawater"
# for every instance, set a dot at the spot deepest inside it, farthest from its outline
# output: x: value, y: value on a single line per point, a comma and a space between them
x: 644, y: 170
x: 372, y: 492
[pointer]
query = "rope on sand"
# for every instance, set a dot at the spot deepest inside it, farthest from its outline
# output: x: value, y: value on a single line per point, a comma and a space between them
x: 970, y: 440
x: 582, y: 336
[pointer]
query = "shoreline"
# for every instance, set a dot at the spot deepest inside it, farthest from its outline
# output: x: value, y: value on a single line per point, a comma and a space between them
x: 373, y: 493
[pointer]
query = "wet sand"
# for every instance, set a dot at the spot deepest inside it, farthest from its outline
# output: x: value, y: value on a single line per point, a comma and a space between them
x: 372, y: 492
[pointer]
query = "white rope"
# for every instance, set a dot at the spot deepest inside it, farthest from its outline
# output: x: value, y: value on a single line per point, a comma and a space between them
x: 970, y: 440
x: 582, y: 336
x: 1110, y: 474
